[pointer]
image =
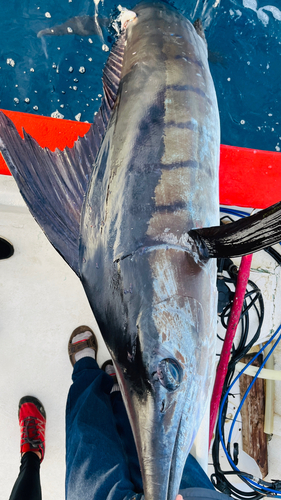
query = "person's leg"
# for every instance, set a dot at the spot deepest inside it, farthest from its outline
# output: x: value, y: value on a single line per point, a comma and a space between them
x: 95, y: 463
x: 32, y: 420
x: 123, y: 427
x: 27, y: 485
x: 194, y: 476
x: 125, y: 432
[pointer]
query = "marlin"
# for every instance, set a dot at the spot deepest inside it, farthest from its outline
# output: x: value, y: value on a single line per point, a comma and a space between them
x: 133, y: 208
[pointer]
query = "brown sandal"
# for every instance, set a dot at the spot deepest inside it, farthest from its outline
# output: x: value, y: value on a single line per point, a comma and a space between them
x: 113, y: 375
x: 79, y: 346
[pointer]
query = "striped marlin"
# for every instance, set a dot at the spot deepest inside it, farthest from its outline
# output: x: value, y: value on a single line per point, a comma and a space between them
x: 124, y: 208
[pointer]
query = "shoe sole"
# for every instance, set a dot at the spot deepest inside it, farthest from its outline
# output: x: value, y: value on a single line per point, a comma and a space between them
x: 35, y: 401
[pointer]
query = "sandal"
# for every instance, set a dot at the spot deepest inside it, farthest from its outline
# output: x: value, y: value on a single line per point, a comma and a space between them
x: 110, y: 372
x: 80, y: 345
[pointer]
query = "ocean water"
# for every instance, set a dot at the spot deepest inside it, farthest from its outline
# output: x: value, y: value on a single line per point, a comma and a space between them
x: 61, y: 76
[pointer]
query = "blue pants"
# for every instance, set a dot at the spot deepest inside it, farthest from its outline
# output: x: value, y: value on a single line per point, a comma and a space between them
x: 101, y: 458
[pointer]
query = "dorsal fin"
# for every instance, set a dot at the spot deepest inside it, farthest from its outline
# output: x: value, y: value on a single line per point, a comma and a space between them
x: 54, y: 184
x: 199, y: 29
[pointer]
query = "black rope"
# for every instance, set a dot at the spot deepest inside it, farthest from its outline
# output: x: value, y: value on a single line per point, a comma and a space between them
x: 253, y: 301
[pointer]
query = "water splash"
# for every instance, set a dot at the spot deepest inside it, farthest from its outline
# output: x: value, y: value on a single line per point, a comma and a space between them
x: 123, y: 19
x: 261, y: 14
x: 44, y: 47
x: 99, y: 30
x: 205, y: 12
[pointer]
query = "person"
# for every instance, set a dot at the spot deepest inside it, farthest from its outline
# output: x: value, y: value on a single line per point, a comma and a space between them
x: 32, y: 420
x: 101, y: 457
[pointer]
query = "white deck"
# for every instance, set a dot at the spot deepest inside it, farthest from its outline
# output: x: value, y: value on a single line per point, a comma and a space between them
x: 42, y: 301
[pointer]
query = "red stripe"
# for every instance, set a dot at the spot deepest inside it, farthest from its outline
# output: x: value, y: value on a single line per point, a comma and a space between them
x: 248, y: 177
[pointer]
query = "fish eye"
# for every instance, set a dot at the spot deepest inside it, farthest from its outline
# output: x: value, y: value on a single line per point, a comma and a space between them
x: 169, y: 373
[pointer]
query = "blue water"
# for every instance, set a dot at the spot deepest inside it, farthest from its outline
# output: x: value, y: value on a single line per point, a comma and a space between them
x: 244, y: 39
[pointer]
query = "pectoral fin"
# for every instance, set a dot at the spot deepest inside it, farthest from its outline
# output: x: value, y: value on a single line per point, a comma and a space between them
x: 245, y: 236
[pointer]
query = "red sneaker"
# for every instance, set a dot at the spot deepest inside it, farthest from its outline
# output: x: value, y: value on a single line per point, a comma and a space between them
x: 32, y: 420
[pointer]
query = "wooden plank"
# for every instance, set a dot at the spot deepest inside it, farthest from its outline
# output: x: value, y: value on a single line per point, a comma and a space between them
x: 252, y: 413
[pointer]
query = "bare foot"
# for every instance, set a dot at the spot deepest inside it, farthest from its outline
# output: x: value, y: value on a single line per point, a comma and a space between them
x: 179, y: 497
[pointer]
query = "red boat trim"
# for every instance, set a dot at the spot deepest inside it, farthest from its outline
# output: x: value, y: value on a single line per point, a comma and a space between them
x: 248, y: 177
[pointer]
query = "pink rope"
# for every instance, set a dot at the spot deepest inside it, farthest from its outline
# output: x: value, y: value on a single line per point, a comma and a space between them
x: 242, y: 280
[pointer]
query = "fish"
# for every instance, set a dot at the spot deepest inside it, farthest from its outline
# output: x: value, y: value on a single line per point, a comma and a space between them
x: 133, y: 208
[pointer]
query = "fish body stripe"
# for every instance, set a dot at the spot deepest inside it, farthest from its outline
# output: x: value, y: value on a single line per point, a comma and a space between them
x: 186, y: 161
x: 190, y: 88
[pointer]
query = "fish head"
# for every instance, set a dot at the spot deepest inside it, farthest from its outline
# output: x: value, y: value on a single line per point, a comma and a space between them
x: 163, y: 366
x: 156, y: 309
